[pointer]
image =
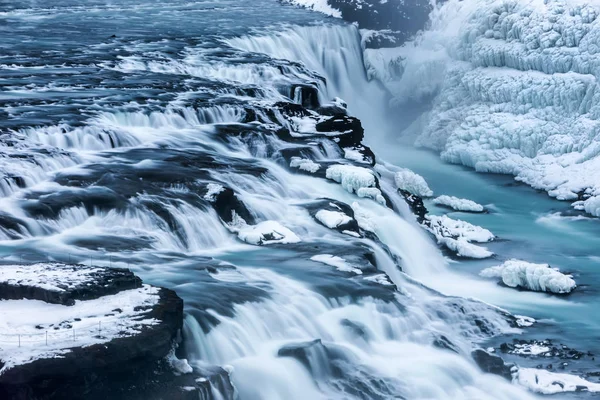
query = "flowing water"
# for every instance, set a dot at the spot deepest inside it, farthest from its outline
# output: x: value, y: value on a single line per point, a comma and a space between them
x: 117, y: 115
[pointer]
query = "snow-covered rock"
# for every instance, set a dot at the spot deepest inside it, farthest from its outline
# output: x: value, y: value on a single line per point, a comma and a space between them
x: 413, y: 183
x: 457, y: 236
x: 351, y: 178
x: 267, y: 232
x: 62, y: 322
x: 513, y: 88
x: 535, y: 277
x: 332, y: 219
x: 444, y: 226
x: 546, y: 382
x: 458, y: 204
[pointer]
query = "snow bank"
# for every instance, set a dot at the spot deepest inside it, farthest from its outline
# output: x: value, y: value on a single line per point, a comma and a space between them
x: 317, y: 5
x: 458, y: 204
x: 536, y: 277
x: 413, y: 183
x: 267, y: 232
x: 332, y: 219
x: 23, y: 324
x: 514, y: 90
x: 545, y: 382
x: 338, y: 262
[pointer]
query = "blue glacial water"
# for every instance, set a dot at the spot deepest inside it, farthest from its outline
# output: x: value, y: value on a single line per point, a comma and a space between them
x: 117, y: 116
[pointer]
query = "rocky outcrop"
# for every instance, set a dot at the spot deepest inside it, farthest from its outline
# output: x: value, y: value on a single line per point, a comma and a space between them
x: 140, y: 330
x: 492, y: 364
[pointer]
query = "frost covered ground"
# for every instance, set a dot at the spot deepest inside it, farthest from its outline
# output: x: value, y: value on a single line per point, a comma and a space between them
x: 508, y: 87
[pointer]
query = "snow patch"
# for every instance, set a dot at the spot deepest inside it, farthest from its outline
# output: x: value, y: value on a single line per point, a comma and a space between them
x: 47, y: 276
x: 338, y: 262
x: 267, y: 232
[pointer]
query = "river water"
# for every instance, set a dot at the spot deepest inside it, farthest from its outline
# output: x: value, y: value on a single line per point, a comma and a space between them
x: 116, y: 116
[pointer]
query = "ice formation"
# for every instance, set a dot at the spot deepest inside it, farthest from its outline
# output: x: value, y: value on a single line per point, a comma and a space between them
x: 412, y: 183
x: 458, y: 204
x: 514, y: 88
x: 351, y: 178
x: 305, y: 164
x: 457, y: 235
x: 536, y: 277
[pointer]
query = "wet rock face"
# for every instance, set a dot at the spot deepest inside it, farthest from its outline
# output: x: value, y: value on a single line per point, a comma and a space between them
x: 415, y: 203
x: 492, y: 364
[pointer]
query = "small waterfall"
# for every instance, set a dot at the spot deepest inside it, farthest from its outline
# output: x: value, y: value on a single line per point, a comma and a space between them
x: 336, y: 53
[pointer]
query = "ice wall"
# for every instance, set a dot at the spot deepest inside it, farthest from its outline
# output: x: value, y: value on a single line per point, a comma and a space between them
x: 509, y: 87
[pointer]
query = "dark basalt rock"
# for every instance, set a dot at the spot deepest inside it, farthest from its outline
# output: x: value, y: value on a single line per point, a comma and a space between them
x: 521, y: 347
x: 332, y: 110
x: 106, y: 282
x: 87, y: 370
x: 415, y: 203
x: 492, y: 364
x: 350, y: 128
x: 306, y: 95
x: 226, y: 202
x: 336, y: 206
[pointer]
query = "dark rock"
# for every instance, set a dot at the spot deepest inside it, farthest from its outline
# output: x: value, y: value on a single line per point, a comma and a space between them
x: 442, y: 342
x: 306, y: 95
x: 351, y: 132
x: 492, y: 364
x: 226, y: 202
x: 336, y: 206
x: 415, y: 203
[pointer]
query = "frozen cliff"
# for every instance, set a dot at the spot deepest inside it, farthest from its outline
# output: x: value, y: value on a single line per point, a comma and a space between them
x: 508, y: 87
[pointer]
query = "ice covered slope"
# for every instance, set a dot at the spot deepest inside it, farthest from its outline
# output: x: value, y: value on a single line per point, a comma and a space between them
x: 513, y: 87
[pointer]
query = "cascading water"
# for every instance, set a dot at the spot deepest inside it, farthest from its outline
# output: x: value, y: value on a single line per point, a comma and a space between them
x: 170, y: 186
